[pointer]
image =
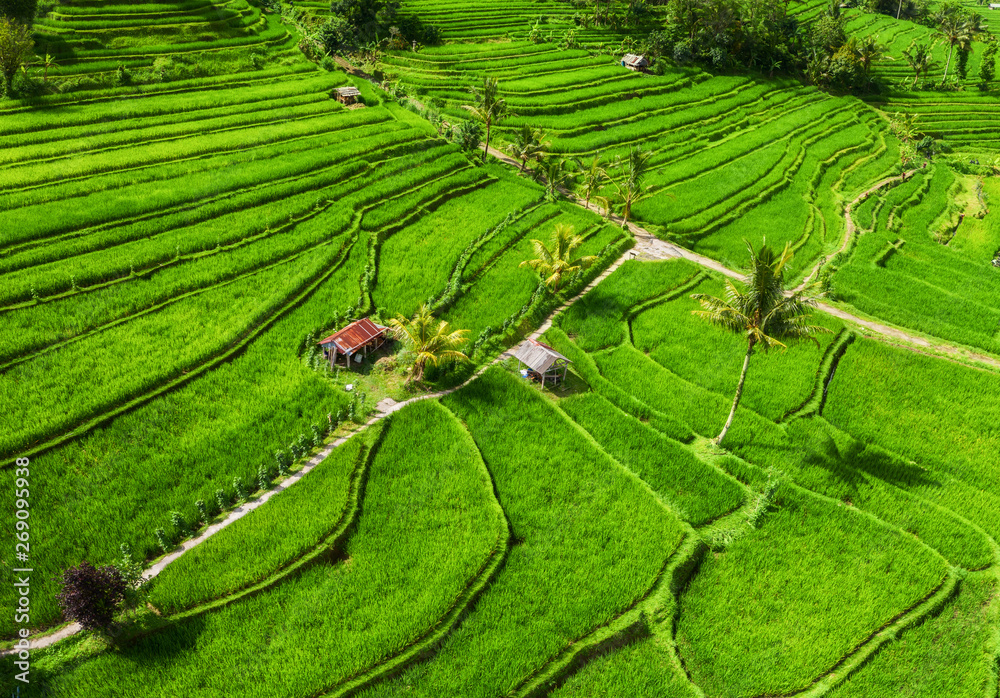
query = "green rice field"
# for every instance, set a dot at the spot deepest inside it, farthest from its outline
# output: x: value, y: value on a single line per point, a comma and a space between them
x: 188, y: 208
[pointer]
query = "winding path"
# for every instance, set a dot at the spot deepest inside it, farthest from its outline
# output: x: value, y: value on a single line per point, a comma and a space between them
x: 648, y: 246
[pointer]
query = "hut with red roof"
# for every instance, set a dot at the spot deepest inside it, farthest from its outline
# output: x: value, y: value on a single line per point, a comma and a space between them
x: 354, y: 342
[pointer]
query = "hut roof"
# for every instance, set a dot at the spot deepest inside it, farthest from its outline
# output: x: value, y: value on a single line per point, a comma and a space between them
x: 354, y: 335
x: 349, y: 91
x: 537, y: 356
x: 635, y: 60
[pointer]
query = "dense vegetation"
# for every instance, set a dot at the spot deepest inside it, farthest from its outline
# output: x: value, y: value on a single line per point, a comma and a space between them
x: 185, y: 210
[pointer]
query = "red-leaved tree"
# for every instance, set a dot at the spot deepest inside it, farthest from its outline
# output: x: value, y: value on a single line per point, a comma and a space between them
x: 91, y: 596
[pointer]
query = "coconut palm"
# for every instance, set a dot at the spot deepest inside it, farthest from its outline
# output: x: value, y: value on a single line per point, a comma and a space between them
x: 869, y: 51
x: 529, y: 143
x: 920, y: 59
x: 629, y: 186
x: 555, y: 263
x: 760, y: 311
x: 555, y: 175
x: 594, y: 177
x: 490, y: 108
x: 432, y: 341
x: 956, y: 30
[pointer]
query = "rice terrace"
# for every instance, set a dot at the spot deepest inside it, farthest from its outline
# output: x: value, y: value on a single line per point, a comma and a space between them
x: 500, y: 348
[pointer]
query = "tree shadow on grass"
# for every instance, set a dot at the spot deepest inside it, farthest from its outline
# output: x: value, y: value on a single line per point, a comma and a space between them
x: 849, y: 461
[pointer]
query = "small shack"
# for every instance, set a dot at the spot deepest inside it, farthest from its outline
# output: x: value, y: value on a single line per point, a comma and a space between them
x: 544, y: 363
x: 355, y: 341
x: 347, y: 95
x: 633, y: 61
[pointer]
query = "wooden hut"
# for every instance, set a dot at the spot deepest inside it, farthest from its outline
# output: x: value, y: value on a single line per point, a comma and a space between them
x: 633, y: 61
x: 354, y: 341
x: 347, y: 95
x: 544, y: 363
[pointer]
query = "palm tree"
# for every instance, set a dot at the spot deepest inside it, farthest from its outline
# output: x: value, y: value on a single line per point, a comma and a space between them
x: 594, y: 177
x: 869, y: 51
x: 490, y: 108
x: 955, y: 30
x: 431, y: 340
x: 529, y: 143
x: 761, y: 311
x: 555, y: 175
x: 555, y: 263
x: 920, y: 59
x: 630, y: 189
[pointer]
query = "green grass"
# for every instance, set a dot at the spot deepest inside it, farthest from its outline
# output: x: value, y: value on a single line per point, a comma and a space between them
x: 573, y: 565
x: 780, y: 607
x: 267, y: 538
x: 948, y: 655
x: 427, y: 526
x: 696, y: 491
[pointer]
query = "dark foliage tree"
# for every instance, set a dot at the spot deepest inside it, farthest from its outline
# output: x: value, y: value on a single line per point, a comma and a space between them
x: 92, y: 595
x: 22, y: 11
x: 15, y: 49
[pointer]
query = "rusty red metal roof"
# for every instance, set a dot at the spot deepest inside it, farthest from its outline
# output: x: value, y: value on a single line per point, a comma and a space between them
x: 354, y: 335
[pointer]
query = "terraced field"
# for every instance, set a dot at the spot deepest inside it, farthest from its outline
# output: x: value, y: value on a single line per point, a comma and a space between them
x: 190, y: 209
x: 728, y: 153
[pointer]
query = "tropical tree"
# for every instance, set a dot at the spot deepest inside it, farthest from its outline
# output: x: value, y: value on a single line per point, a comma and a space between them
x: 22, y: 11
x: 594, y: 176
x: 554, y: 174
x: 431, y: 341
x: 48, y: 62
x: 555, y: 263
x: 920, y: 59
x: 956, y: 30
x: 529, y: 143
x: 869, y: 51
x: 760, y: 311
x: 489, y: 108
x: 629, y: 185
x: 988, y: 67
x: 15, y: 47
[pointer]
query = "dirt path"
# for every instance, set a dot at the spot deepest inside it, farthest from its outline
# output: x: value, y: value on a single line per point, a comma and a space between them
x: 850, y: 228
x: 648, y: 246
x: 384, y: 409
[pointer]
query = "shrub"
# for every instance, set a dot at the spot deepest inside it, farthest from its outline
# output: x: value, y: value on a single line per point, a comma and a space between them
x: 91, y: 596
x: 328, y: 64
x: 239, y: 489
x: 221, y: 500
x: 122, y: 76
x: 202, y: 510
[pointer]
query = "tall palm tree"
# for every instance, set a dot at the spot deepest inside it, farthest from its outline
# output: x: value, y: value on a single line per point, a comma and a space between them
x: 431, y: 340
x: 955, y: 30
x: 629, y: 186
x: 594, y: 176
x: 555, y: 263
x: 760, y: 311
x: 529, y: 143
x: 920, y: 59
x: 490, y: 108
